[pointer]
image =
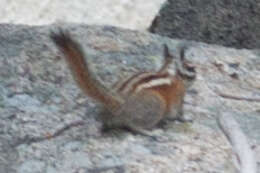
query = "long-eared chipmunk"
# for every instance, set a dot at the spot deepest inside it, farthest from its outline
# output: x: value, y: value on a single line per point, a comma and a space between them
x: 141, y: 101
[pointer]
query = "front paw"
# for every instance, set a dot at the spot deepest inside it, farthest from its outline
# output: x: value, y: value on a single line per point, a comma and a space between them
x: 184, y: 119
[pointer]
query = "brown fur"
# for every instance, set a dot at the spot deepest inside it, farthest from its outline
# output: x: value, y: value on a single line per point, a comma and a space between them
x: 76, y: 61
x: 172, y: 94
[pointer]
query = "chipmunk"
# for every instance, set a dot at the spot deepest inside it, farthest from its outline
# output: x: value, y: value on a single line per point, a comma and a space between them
x: 140, y: 102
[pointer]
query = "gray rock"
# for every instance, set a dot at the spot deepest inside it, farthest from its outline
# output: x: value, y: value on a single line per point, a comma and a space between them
x: 38, y: 96
x: 31, y: 166
x: 228, y: 23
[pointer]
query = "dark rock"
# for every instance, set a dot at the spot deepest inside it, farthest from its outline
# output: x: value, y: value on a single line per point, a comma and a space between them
x: 232, y: 23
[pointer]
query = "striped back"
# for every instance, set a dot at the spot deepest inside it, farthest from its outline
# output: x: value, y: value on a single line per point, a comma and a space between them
x: 143, y: 80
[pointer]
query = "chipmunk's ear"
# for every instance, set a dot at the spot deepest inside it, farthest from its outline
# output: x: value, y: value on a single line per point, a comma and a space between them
x: 168, y: 58
x: 166, y: 53
x: 184, y: 67
x: 182, y: 53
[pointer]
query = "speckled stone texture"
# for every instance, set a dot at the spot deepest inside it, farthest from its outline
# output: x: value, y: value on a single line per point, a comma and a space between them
x: 39, y: 96
x: 234, y: 23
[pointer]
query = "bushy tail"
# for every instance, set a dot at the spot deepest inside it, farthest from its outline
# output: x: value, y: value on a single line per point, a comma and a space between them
x: 74, y: 56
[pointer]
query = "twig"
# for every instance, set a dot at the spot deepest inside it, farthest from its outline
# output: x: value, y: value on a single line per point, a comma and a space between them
x: 239, y: 143
x: 66, y: 127
x: 29, y: 140
x: 238, y: 97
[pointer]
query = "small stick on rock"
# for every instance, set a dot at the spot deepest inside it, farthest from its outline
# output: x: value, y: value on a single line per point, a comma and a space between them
x: 238, y: 97
x: 29, y: 140
x: 241, y: 148
x: 64, y: 128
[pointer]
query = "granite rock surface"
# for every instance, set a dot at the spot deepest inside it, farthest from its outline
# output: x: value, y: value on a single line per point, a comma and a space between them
x: 38, y: 96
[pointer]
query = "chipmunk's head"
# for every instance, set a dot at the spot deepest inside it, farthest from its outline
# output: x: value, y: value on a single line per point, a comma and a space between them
x: 184, y: 68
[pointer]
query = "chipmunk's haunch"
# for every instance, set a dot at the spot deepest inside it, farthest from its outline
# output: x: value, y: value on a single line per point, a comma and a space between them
x: 141, y: 101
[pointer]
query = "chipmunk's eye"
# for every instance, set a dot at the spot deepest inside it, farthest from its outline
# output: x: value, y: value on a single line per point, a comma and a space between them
x: 189, y: 67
